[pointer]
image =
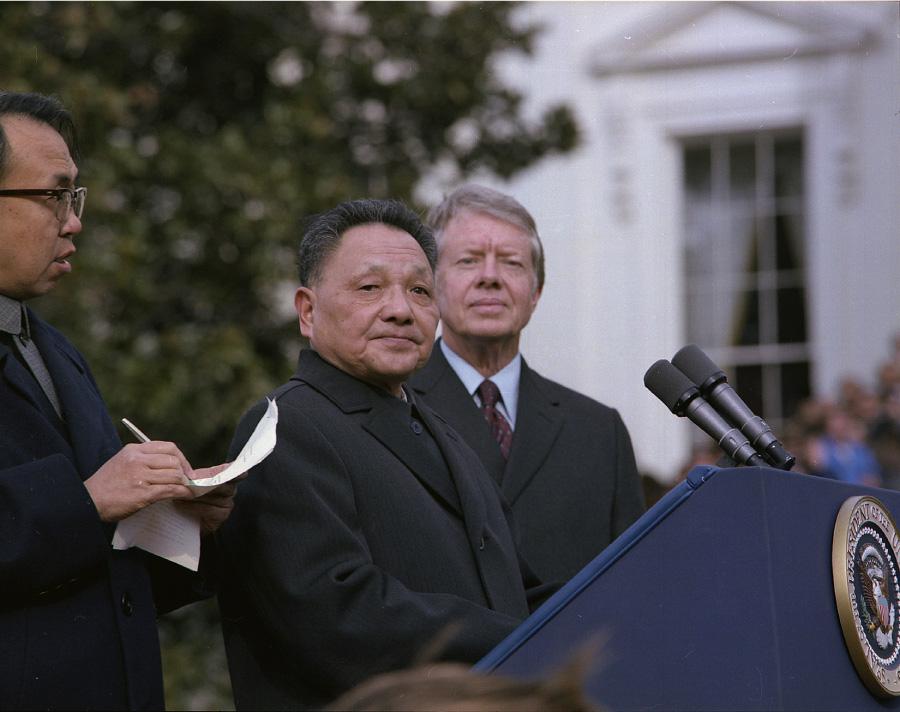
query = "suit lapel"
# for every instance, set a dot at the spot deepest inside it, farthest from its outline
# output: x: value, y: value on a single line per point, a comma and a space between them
x: 392, y: 430
x: 538, y: 422
x: 441, y: 387
x: 470, y: 496
x: 93, y: 438
x: 19, y: 379
x: 380, y: 417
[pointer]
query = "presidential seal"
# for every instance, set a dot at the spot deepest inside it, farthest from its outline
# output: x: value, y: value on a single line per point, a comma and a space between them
x: 864, y: 555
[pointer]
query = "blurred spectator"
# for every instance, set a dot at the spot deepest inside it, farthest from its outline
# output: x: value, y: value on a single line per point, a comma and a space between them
x: 856, y: 439
x: 884, y: 437
x: 841, y: 452
x: 452, y: 687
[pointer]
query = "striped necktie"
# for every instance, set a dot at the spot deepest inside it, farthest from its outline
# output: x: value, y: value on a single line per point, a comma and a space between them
x: 500, y: 429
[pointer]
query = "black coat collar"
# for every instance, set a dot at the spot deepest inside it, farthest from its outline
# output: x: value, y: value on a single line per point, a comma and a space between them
x: 388, y: 419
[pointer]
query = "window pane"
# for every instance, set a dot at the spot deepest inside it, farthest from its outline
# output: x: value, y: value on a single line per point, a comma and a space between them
x: 748, y: 384
x: 791, y: 315
x: 788, y: 167
x: 742, y: 167
x: 794, y: 386
x: 698, y: 172
x: 703, y: 323
x: 700, y: 252
x: 746, y: 319
x: 789, y: 242
x: 744, y: 249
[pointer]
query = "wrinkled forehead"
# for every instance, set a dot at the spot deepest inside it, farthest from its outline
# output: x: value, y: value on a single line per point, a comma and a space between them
x: 471, y: 228
x: 381, y: 246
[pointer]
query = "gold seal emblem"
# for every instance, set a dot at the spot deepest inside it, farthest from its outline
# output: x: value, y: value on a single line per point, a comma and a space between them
x: 864, y: 555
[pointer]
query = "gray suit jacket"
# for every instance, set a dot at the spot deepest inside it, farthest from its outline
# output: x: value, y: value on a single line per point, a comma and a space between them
x: 349, y: 549
x: 571, y: 478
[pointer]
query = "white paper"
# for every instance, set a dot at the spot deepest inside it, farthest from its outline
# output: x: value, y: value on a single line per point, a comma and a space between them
x: 164, y: 530
x: 257, y: 449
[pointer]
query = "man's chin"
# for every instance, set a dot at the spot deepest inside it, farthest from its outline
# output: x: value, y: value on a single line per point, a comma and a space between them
x: 37, y: 290
x: 491, y: 332
x: 389, y: 378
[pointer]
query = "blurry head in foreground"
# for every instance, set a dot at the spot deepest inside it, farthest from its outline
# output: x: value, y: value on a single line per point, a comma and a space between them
x: 452, y: 687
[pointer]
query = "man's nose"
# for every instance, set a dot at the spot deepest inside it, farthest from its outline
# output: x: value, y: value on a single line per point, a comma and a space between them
x: 489, y: 273
x: 396, y: 305
x: 71, y: 227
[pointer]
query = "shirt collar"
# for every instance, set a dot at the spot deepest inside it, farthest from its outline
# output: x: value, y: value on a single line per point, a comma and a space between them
x: 506, y: 379
x: 13, y: 318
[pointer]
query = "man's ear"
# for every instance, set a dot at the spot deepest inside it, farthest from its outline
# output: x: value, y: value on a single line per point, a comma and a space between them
x: 535, y: 298
x: 304, y: 303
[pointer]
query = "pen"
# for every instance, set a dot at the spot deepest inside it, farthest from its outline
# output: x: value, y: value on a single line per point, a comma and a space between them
x: 135, y: 430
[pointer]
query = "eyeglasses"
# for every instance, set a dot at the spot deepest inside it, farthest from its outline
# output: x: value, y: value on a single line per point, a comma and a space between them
x: 67, y: 199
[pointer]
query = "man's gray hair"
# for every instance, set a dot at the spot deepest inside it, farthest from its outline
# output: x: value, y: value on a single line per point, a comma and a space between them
x: 481, y: 199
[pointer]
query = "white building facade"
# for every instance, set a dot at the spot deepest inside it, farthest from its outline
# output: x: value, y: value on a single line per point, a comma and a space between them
x: 736, y: 187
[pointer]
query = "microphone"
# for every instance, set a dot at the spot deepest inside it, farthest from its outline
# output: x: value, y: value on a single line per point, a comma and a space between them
x: 713, y: 384
x: 683, y: 398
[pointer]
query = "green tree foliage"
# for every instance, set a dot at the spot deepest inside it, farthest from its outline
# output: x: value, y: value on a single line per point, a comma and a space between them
x: 208, y: 131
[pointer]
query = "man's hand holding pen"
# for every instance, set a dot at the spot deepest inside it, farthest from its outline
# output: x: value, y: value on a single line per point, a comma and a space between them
x: 151, y: 471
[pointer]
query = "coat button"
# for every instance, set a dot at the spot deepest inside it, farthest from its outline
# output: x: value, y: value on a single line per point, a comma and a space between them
x: 416, y: 427
x: 127, y: 605
x: 481, y: 544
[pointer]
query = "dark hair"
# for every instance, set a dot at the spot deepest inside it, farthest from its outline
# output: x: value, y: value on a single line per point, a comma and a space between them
x: 476, y: 198
x: 323, y: 232
x: 45, y: 109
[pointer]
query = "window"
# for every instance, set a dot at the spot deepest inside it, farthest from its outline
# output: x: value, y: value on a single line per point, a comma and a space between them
x: 745, y: 264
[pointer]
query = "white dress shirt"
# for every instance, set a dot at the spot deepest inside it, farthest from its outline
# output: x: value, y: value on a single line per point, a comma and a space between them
x: 506, y: 379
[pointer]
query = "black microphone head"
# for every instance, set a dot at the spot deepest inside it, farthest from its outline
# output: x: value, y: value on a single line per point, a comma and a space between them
x: 670, y: 385
x: 697, y: 366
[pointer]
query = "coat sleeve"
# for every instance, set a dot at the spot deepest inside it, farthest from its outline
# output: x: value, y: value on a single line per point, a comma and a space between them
x: 298, y: 569
x: 50, y: 533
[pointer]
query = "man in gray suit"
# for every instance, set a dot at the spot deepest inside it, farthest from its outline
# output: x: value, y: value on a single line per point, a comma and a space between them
x: 564, y: 462
x: 372, y: 530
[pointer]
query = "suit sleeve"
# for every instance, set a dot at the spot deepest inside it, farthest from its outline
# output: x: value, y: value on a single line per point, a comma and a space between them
x: 50, y: 533
x: 294, y: 547
x: 629, y: 499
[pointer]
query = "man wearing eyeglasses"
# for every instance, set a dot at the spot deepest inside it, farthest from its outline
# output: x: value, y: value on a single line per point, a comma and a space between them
x: 77, y: 619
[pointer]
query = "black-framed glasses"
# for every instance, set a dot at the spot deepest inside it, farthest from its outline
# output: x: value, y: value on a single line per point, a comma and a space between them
x: 67, y: 199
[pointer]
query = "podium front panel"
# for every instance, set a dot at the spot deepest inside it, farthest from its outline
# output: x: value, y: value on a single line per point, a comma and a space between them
x: 725, y: 602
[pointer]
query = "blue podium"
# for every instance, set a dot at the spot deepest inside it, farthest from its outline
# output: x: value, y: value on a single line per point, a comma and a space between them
x: 720, y: 597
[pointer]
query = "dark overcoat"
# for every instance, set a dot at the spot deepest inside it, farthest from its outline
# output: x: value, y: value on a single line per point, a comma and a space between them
x: 571, y: 477
x: 351, y: 549
x: 77, y: 619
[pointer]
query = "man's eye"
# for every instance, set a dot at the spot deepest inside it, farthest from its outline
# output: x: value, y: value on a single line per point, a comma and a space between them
x: 421, y: 290
x: 369, y: 287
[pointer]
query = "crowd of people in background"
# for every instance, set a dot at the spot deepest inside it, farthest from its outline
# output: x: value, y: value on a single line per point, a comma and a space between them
x: 852, y: 437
